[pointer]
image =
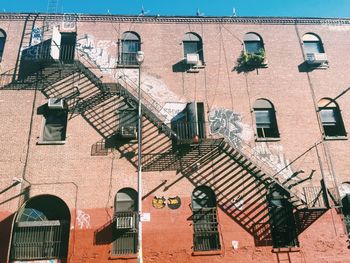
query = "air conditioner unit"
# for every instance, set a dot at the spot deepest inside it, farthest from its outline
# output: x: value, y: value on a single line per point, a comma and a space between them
x: 128, y: 132
x: 56, y: 103
x: 316, y: 58
x: 124, y: 222
x: 192, y: 59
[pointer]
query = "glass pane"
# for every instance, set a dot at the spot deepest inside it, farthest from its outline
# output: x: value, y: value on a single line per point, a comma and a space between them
x: 328, y: 116
x: 2, y: 44
x: 130, y: 46
x: 252, y: 46
x: 191, y: 47
x: 313, y: 47
x: 262, y: 117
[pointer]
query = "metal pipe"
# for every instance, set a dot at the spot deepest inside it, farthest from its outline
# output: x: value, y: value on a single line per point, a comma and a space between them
x: 139, y: 164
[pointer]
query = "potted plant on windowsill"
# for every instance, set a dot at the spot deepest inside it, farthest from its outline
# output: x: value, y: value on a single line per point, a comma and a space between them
x: 250, y: 61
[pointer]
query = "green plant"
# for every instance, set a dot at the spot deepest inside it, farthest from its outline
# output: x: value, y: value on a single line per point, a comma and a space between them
x: 248, y: 61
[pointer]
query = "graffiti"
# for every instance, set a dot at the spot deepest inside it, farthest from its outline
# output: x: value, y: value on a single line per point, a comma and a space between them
x: 273, y: 156
x: 158, y: 202
x: 229, y: 124
x: 174, y: 202
x: 83, y: 219
x: 97, y: 53
x: 36, y: 36
x: 172, y: 110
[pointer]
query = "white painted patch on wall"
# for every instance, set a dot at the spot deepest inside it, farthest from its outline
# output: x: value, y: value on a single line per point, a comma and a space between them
x: 97, y: 52
x: 273, y: 156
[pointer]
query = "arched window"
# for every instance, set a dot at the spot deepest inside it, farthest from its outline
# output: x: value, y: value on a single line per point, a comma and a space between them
x: 282, y: 222
x: 253, y: 43
x: 205, y: 222
x: 126, y: 219
x: 193, y: 45
x: 41, y: 230
x: 130, y: 44
x: 312, y: 44
x: 265, y: 119
x: 331, y: 119
x: 2, y: 42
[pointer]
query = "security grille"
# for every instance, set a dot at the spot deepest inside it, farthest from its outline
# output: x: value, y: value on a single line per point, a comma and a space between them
x: 125, y: 233
x: 39, y: 240
x: 206, y: 234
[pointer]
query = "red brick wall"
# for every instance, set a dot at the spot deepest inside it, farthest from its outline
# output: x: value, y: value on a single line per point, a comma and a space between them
x: 88, y: 184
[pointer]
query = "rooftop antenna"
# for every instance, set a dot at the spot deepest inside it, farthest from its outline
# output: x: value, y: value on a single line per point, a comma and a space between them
x: 143, y: 12
x: 234, y: 14
x: 198, y: 13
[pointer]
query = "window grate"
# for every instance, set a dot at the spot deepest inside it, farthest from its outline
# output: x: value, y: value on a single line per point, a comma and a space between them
x: 43, y: 241
x: 124, y: 233
x: 206, y: 234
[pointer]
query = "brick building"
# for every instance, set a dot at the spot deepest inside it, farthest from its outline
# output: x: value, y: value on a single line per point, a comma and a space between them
x: 244, y: 138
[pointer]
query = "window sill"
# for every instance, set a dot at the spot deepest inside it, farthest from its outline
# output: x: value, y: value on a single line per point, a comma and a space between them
x: 40, y: 142
x: 128, y: 256
x: 207, y: 253
x: 128, y: 66
x: 335, y: 138
x: 286, y: 249
x: 267, y: 139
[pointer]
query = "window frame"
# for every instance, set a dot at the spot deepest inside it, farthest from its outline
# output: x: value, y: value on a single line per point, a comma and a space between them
x: 271, y: 132
x: 47, y: 112
x: 2, y: 42
x: 196, y: 39
x: 128, y: 236
x: 206, y: 235
x: 134, y: 40
x: 331, y: 129
x: 252, y: 37
x: 314, y: 41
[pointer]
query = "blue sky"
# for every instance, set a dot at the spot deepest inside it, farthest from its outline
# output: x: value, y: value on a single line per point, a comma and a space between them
x: 299, y: 8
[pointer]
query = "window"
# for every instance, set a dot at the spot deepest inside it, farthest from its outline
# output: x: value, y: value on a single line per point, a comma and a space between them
x: 282, y: 222
x: 130, y: 44
x: 312, y: 44
x: 346, y: 212
x: 126, y: 223
x: 265, y: 119
x: 41, y: 230
x: 55, y: 124
x: 2, y: 42
x: 331, y: 119
x: 205, y: 222
x: 253, y: 43
x: 191, y: 123
x: 193, y: 45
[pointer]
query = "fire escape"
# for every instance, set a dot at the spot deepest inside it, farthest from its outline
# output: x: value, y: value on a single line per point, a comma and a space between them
x: 234, y: 173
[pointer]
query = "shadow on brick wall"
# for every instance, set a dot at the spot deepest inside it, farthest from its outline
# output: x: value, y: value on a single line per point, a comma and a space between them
x: 5, y: 236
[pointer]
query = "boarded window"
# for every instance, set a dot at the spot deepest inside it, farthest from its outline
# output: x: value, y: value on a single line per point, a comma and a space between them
x: 55, y: 125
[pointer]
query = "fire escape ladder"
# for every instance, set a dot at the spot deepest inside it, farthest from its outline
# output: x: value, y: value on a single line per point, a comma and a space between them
x: 26, y: 40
